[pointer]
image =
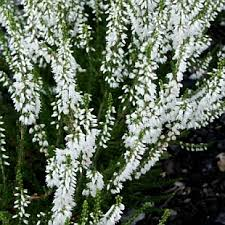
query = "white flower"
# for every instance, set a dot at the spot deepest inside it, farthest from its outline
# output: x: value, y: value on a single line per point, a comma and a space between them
x: 96, y: 183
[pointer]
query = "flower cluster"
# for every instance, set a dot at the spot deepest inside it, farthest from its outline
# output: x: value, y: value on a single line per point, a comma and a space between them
x: 20, y: 204
x: 193, y: 147
x: 25, y: 90
x: 4, y: 158
x: 200, y: 68
x: 40, y: 137
x: 4, y: 79
x: 114, y: 64
x: 149, y: 48
x: 154, y: 111
x: 96, y: 183
x: 105, y: 135
x: 113, y: 215
x: 40, y: 216
x: 61, y: 173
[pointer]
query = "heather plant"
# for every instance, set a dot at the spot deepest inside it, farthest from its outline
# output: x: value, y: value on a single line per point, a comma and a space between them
x: 92, y: 95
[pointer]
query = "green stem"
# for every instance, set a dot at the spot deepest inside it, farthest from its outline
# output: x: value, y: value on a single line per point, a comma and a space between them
x: 3, y: 173
x: 19, y: 178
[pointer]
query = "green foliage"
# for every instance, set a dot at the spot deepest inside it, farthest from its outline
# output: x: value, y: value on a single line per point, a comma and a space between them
x: 5, y: 217
x: 165, y: 217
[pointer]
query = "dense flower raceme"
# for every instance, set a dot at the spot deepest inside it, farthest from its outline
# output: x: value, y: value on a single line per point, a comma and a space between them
x: 3, y: 155
x: 50, y: 48
x: 21, y: 202
x: 25, y: 84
